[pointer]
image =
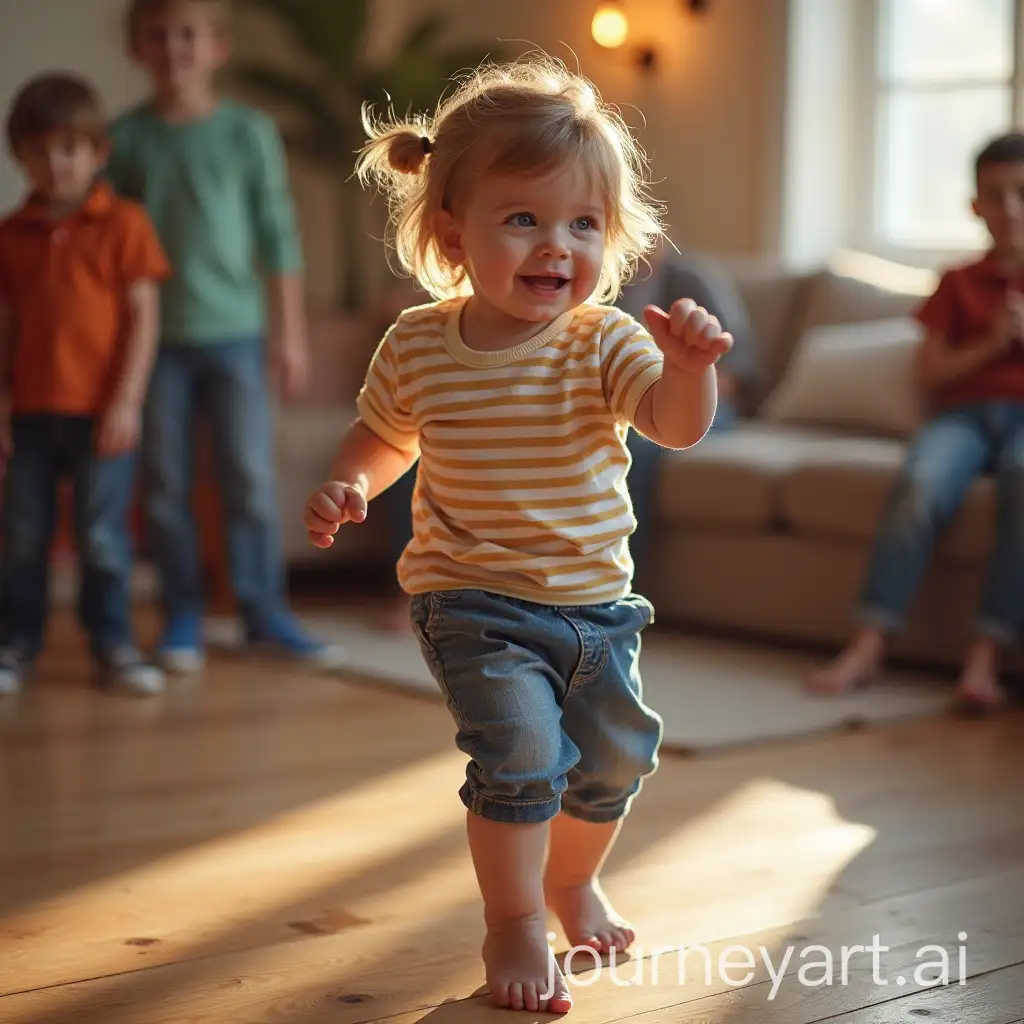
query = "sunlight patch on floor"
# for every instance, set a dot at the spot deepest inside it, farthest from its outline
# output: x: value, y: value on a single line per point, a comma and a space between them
x: 254, y: 873
x: 762, y: 858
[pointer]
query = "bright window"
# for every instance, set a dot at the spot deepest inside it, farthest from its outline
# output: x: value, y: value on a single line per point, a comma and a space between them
x: 947, y: 76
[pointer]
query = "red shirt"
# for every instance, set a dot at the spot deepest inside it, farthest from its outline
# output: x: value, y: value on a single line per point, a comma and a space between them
x: 963, y: 309
x: 66, y: 283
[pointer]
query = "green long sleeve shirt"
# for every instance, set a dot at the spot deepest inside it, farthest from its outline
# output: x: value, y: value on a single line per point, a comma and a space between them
x: 217, y: 192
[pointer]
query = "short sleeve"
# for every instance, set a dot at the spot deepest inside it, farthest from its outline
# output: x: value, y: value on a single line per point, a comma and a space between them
x: 141, y: 257
x: 379, y: 404
x: 937, y: 313
x: 630, y: 363
x: 277, y: 234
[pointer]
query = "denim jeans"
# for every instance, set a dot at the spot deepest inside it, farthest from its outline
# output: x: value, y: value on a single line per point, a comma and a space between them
x: 547, y: 702
x: 947, y: 455
x: 47, y: 448
x: 228, y: 383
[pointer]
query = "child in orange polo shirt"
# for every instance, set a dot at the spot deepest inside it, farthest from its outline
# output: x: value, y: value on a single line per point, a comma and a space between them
x: 971, y: 366
x: 79, y: 273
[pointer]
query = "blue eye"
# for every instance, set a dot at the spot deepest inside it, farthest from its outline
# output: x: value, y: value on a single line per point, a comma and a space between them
x: 584, y: 224
x: 522, y: 220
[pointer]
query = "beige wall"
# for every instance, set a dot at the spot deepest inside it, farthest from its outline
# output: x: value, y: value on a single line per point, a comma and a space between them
x: 83, y: 36
x: 711, y: 116
x: 713, y: 111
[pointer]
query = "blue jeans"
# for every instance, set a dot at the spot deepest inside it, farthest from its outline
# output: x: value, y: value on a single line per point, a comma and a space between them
x: 46, y: 448
x: 947, y: 455
x: 228, y: 383
x: 547, y: 702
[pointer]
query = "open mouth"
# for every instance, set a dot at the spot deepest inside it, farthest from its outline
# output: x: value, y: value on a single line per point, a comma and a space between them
x: 545, y: 284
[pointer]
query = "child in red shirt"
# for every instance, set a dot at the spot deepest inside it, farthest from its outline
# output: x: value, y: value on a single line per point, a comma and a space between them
x: 971, y: 365
x: 78, y: 303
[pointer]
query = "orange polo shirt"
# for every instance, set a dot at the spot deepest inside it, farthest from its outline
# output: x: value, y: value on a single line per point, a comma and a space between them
x: 66, y: 283
x: 963, y: 309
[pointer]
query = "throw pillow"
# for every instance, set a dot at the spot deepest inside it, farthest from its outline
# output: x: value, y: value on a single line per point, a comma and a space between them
x: 856, y: 376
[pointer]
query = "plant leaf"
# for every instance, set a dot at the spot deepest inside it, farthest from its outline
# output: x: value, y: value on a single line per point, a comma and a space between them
x: 329, y: 32
x: 288, y: 90
x: 292, y: 14
x: 423, y: 34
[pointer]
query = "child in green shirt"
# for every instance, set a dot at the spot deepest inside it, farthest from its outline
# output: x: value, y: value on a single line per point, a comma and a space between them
x: 212, y: 175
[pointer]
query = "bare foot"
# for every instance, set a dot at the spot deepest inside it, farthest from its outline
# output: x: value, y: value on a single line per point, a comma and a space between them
x: 858, y: 665
x: 979, y: 690
x: 589, y: 919
x: 520, y: 967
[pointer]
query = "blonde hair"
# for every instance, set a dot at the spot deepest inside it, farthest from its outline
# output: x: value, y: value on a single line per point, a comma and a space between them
x: 530, y: 117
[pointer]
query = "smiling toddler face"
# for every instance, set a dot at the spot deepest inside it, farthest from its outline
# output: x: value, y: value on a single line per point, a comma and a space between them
x: 532, y: 246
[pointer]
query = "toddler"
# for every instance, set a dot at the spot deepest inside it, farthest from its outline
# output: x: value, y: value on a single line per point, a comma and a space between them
x: 522, y: 207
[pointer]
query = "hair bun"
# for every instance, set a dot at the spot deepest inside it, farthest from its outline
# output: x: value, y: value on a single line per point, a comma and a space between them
x: 408, y: 151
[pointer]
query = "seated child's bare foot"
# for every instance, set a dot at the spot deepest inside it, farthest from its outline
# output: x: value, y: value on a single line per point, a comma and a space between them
x: 588, y: 918
x: 520, y: 967
x: 858, y: 665
x: 979, y: 689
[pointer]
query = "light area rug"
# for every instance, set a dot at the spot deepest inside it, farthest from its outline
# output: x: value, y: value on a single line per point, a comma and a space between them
x: 711, y: 693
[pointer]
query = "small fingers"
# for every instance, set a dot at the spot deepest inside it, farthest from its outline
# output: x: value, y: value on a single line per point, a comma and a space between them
x: 680, y: 314
x: 323, y: 511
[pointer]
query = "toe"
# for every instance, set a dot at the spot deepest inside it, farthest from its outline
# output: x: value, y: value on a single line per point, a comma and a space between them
x: 560, y: 1001
x: 605, y: 941
x: 515, y: 995
x: 530, y: 1000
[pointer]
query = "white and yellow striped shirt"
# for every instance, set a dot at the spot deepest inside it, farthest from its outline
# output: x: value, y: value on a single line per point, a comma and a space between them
x: 521, y: 488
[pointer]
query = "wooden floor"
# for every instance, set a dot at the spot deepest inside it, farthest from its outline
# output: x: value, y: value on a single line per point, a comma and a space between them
x: 266, y: 846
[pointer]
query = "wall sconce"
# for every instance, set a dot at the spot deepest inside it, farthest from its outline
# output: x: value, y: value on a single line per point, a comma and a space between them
x: 609, y: 28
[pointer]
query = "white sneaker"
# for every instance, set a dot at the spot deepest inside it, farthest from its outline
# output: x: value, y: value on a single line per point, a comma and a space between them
x: 126, y: 671
x: 181, y: 661
x: 13, y: 670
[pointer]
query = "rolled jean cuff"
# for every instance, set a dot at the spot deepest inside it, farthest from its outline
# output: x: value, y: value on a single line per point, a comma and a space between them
x: 993, y: 629
x: 513, y: 812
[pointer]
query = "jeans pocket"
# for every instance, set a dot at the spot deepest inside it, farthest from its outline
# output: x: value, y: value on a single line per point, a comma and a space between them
x: 642, y: 608
x: 427, y: 618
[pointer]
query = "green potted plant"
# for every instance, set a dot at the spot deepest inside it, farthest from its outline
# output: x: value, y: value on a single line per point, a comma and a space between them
x: 323, y: 103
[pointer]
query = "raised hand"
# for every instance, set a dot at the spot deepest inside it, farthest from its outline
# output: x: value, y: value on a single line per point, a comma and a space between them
x: 691, y: 338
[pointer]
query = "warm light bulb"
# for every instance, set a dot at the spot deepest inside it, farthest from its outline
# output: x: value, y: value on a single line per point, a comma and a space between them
x: 609, y: 27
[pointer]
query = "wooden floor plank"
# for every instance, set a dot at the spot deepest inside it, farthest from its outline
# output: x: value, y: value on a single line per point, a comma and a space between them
x: 993, y: 998
x: 349, y: 978
x: 265, y: 844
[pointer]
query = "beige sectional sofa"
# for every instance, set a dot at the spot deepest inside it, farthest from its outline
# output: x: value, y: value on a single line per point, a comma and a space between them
x: 765, y: 530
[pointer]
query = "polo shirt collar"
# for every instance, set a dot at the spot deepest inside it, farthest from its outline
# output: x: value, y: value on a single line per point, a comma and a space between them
x: 97, y: 204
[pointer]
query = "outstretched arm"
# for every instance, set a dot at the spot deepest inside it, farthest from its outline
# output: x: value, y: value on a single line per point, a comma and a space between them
x: 364, y: 467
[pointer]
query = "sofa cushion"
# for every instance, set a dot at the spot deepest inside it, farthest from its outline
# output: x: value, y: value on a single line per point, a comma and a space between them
x: 858, y: 377
x: 762, y: 477
x: 857, y: 287
x: 841, y: 486
x: 731, y: 480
